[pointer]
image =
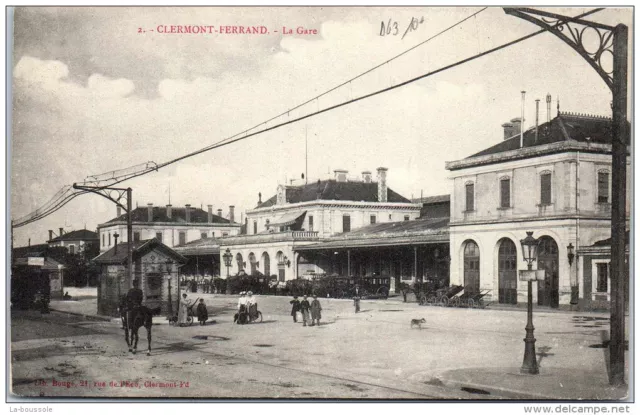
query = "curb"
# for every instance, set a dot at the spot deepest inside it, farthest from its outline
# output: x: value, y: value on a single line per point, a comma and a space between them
x: 498, y: 392
x: 86, y: 316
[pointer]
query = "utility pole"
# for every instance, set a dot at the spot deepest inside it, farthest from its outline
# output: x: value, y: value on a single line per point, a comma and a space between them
x: 115, y: 195
x: 613, y: 40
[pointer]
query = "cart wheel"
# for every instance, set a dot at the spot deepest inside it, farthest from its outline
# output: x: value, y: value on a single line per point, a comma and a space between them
x: 454, y: 302
x: 423, y: 300
x: 189, y: 320
x: 259, y: 317
x: 444, y: 302
x: 472, y: 303
x: 384, y: 292
x: 432, y: 300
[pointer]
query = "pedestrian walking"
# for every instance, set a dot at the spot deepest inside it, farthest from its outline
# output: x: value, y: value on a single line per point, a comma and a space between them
x: 203, y: 316
x: 183, y: 311
x: 295, y: 307
x: 304, y: 310
x: 356, y: 303
x: 316, y: 308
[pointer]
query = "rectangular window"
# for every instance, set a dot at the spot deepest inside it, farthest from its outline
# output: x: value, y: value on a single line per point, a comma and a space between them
x: 505, y: 193
x: 182, y: 238
x: 407, y: 217
x: 72, y: 249
x: 372, y: 219
x: 109, y: 239
x: 136, y: 236
x: 603, y: 187
x: 545, y: 189
x: 310, y: 222
x: 255, y: 227
x: 603, y: 278
x: 159, y: 236
x: 103, y: 239
x: 469, y: 199
x: 346, y: 223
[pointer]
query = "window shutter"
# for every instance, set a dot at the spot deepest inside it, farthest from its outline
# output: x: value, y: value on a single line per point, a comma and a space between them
x: 505, y: 193
x: 545, y: 189
x: 603, y: 187
x: 469, y: 204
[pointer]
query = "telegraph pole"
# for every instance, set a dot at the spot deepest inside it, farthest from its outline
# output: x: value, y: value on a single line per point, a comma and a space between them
x: 613, y: 40
x: 115, y: 195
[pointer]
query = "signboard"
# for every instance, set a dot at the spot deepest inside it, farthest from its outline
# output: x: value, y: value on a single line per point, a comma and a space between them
x: 532, y: 275
x: 35, y: 261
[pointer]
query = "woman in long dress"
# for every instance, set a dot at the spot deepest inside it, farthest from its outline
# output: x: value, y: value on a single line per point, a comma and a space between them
x: 183, y: 311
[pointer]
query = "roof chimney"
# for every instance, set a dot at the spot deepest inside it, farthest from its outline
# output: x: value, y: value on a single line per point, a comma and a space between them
x: 382, y: 184
x: 340, y: 175
x: 548, y: 107
x: 259, y: 197
x: 61, y: 231
x: 149, y: 212
x: 118, y: 211
x: 281, y: 195
x: 210, y: 214
x: 169, y: 211
x: 50, y: 234
x: 231, y: 213
x: 366, y: 176
x: 512, y: 128
x: 187, y: 213
x: 220, y: 212
x: 115, y: 249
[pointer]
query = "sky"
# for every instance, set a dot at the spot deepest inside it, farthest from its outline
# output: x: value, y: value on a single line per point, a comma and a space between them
x: 97, y: 89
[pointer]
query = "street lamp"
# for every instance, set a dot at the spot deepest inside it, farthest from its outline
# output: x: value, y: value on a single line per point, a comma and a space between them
x: 227, y: 260
x: 530, y: 254
x: 570, y: 254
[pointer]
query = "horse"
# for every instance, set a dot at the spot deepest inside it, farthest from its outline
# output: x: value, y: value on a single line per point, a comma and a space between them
x: 135, y: 318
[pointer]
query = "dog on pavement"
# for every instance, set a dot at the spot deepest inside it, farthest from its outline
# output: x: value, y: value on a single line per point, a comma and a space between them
x: 417, y: 322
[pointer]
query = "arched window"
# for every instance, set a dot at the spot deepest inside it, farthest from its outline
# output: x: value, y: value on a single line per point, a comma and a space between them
x: 239, y: 261
x: 281, y: 265
x: 507, y: 272
x: 266, y: 263
x: 252, y: 263
x: 471, y: 267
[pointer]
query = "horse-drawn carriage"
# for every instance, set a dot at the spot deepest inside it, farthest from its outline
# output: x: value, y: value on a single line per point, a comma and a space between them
x: 454, y: 296
x: 338, y: 286
x: 191, y: 315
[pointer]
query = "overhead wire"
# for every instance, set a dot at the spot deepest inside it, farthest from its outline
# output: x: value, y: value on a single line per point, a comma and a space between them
x: 235, y: 138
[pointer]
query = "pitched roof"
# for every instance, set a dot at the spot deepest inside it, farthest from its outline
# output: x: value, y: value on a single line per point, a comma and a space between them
x: 119, y: 255
x: 566, y: 126
x: 50, y: 264
x: 335, y: 190
x: 432, y: 199
x: 82, y: 235
x: 178, y: 215
x: 32, y: 250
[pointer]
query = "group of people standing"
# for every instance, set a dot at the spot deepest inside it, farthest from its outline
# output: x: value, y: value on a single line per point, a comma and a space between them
x: 303, y: 307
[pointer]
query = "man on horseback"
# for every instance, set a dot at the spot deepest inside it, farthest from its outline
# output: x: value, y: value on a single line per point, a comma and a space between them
x: 134, y: 300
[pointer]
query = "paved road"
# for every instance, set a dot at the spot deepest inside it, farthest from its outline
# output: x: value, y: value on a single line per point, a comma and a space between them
x: 372, y: 355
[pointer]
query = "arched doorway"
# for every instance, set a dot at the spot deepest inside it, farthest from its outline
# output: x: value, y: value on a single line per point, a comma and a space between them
x: 548, y: 291
x: 507, y: 272
x: 266, y: 261
x: 280, y: 259
x: 239, y: 262
x: 252, y: 263
x: 471, y: 267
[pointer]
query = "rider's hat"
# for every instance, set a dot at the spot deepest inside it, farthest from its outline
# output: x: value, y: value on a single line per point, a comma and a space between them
x: 242, y: 292
x: 250, y: 293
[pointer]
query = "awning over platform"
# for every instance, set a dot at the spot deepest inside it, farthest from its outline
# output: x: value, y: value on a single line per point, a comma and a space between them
x: 288, y: 219
x: 390, y: 234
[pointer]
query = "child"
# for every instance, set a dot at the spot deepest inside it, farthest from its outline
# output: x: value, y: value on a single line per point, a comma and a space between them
x: 203, y: 316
